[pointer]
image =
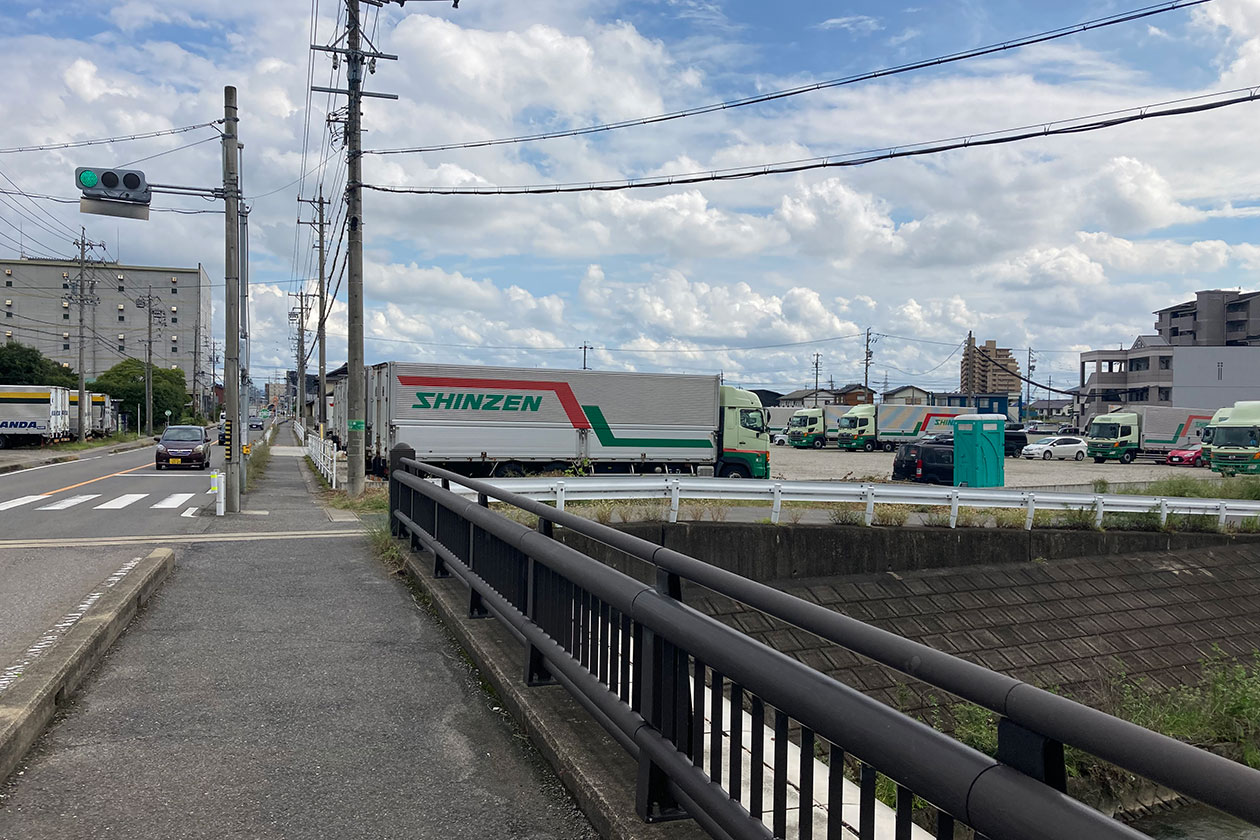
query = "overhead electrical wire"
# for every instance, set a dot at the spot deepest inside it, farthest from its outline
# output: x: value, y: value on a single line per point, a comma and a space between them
x: 170, y: 151
x: 1076, y: 125
x: 74, y: 144
x: 1041, y: 37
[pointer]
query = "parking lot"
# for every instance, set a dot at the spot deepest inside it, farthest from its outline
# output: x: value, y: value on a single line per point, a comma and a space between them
x: 831, y: 464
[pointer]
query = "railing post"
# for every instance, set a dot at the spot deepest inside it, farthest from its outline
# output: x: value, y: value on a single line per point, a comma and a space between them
x: 673, y: 500
x: 1222, y: 511
x: 1031, y: 500
x: 1032, y: 754
x: 476, y: 607
x: 868, y: 493
x: 1098, y: 511
x: 536, y: 671
x: 777, y: 509
x: 1163, y: 512
x: 653, y: 801
x: 953, y: 508
x: 559, y: 495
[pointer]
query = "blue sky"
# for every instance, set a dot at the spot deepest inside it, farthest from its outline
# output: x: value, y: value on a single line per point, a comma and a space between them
x: 1061, y: 244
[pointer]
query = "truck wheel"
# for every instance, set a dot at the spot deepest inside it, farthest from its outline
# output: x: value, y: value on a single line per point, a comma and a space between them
x: 4, y: 442
x: 735, y: 471
x: 868, y: 447
x: 1127, y: 457
x: 819, y: 443
x: 1098, y: 460
x: 890, y: 446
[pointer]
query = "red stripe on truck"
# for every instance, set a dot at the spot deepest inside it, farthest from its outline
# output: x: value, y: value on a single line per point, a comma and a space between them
x: 562, y: 390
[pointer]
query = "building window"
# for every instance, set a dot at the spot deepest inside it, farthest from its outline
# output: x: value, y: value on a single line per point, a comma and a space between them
x: 1220, y: 371
x: 10, y: 315
x: 1139, y: 364
x: 1165, y: 394
x: 65, y: 285
x: 174, y: 290
x: 174, y: 320
x: 65, y: 316
x: 122, y: 348
x: 65, y: 346
x: 121, y: 288
x: 1165, y: 362
x: 122, y: 319
x: 8, y: 282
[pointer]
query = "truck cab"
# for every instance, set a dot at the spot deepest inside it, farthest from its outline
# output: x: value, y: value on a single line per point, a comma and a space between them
x: 1113, y: 437
x: 745, y: 450
x: 1236, y: 441
x: 857, y: 429
x: 1209, y: 432
x: 807, y: 429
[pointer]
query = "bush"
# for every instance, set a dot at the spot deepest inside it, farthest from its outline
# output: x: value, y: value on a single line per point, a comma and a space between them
x: 718, y: 509
x: 1246, y: 525
x: 603, y: 511
x: 891, y: 515
x: 1193, y: 523
x: 1147, y: 521
x: 1076, y: 519
x: 970, y: 517
x: 847, y: 513
x: 1101, y: 485
x: 1012, y: 518
x: 936, y: 517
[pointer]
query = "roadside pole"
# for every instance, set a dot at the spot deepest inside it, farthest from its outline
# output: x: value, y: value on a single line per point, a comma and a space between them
x: 323, y: 313
x: 356, y: 411
x: 232, y: 315
x: 82, y: 295
x: 148, y: 370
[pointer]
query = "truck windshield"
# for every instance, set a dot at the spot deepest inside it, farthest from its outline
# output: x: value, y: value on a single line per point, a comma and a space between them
x: 798, y: 420
x: 848, y: 422
x: 751, y: 418
x: 1110, y: 431
x: 1235, y: 436
x: 1206, y: 437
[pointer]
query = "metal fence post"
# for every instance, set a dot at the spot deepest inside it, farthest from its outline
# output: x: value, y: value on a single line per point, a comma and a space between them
x: 777, y: 508
x: 1031, y: 501
x: 868, y: 494
x: 653, y: 801
x: 673, y: 500
x: 1032, y: 754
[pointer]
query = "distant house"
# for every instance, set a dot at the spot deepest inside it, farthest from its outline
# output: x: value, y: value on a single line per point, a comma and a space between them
x: 854, y: 394
x: 805, y: 398
x: 907, y: 395
x: 1050, y: 409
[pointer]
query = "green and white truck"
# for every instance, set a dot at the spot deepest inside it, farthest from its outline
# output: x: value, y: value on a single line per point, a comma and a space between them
x: 510, y: 421
x: 1144, y: 430
x: 886, y: 426
x: 1209, y: 432
x: 1236, y: 441
x: 808, y: 428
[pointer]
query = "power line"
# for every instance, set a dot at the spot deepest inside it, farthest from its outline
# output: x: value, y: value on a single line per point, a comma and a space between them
x: 74, y: 144
x: 170, y: 151
x: 1041, y: 37
x: 1076, y: 125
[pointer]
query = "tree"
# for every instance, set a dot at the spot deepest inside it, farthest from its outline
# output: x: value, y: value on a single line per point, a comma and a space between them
x: 24, y: 365
x: 125, y: 381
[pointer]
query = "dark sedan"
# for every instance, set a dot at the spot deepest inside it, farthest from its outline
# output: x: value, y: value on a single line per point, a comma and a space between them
x: 183, y: 446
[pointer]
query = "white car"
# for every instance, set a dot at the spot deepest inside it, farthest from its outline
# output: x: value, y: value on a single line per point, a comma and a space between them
x: 779, y: 438
x: 1061, y: 448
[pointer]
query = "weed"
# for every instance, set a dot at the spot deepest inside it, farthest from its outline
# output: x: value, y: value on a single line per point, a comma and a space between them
x: 718, y: 510
x: 1101, y: 485
x: 373, y: 500
x: 92, y: 443
x: 891, y: 515
x: 936, y: 517
x: 694, y: 509
x: 387, y: 548
x: 970, y: 517
x: 1146, y: 521
x: 652, y: 510
x: 1045, y: 519
x: 793, y: 514
x: 847, y: 513
x: 1193, y: 523
x: 603, y: 511
x: 1246, y: 525
x: 1012, y: 518
x: 1076, y: 519
x: 256, y: 464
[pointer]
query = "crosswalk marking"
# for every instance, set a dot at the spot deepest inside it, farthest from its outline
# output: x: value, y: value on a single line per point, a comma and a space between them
x: 24, y: 500
x: 122, y: 501
x: 70, y: 502
x: 173, y: 501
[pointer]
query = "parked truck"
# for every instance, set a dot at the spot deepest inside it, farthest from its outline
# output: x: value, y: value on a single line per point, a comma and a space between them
x: 1209, y: 432
x: 813, y: 427
x: 886, y: 426
x: 102, y: 416
x: 33, y: 414
x: 1236, y: 440
x: 1144, y: 430
x: 508, y: 421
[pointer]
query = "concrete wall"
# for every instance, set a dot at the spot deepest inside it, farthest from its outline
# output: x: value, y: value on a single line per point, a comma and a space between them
x: 1198, y: 382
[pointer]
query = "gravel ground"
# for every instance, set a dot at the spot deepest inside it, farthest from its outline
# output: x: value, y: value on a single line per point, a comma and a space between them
x: 792, y: 464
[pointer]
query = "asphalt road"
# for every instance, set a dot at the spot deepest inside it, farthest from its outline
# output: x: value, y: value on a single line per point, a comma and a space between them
x: 119, y: 495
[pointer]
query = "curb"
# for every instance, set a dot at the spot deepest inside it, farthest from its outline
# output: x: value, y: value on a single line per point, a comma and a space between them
x: 594, y: 768
x: 51, y: 680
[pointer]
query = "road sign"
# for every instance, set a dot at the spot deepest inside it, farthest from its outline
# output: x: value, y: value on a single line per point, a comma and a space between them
x: 168, y: 412
x: 245, y: 449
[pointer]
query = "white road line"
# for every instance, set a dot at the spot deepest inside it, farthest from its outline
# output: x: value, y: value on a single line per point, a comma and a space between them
x: 122, y: 501
x: 18, y: 502
x: 172, y: 501
x: 190, y: 513
x: 70, y: 502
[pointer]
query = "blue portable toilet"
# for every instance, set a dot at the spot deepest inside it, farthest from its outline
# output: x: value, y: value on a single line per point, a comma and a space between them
x: 980, y: 450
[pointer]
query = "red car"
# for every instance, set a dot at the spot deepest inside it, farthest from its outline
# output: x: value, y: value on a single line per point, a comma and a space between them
x: 1191, y: 456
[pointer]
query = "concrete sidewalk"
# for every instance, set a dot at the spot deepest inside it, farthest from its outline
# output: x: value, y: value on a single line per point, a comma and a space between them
x: 283, y: 684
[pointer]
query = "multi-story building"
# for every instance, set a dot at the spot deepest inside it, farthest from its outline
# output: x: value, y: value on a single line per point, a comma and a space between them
x: 988, y: 369
x: 40, y: 309
x: 1205, y: 354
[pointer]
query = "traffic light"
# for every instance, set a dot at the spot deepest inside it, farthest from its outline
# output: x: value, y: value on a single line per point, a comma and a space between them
x: 127, y: 185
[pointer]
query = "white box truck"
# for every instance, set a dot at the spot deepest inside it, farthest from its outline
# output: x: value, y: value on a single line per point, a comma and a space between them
x: 507, y: 421
x: 1144, y: 430
x: 33, y: 414
x: 99, y: 415
x: 889, y: 425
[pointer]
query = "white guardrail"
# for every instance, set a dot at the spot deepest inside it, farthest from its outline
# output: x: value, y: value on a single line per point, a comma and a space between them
x: 300, y: 431
x: 775, y: 493
x: 323, y: 454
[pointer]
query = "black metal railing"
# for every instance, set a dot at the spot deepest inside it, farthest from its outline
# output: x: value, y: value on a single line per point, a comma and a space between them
x: 750, y: 742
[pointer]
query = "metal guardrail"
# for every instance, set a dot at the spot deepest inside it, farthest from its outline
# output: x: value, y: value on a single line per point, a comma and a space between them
x: 300, y: 431
x: 644, y: 665
x: 775, y: 493
x: 323, y: 453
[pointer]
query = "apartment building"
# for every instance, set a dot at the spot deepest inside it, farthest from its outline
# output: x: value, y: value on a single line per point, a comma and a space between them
x: 39, y: 308
x: 988, y: 369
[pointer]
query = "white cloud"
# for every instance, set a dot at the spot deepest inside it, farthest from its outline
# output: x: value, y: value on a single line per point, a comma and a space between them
x: 856, y: 24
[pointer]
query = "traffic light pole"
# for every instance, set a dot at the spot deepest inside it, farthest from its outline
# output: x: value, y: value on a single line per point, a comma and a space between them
x: 232, y: 299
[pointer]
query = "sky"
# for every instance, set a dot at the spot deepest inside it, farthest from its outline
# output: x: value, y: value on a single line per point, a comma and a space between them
x: 1060, y: 244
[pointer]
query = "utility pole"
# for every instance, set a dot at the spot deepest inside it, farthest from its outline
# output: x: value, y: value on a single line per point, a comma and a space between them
x: 232, y: 299
x: 1032, y: 358
x: 83, y: 412
x: 585, y: 347
x: 146, y: 303
x: 321, y: 413
x: 299, y: 408
x: 817, y: 367
x: 357, y: 410
x: 866, y: 364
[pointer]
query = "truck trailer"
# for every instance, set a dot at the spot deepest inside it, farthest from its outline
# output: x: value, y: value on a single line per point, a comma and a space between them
x: 33, y: 414
x: 888, y: 425
x: 509, y: 421
x: 1144, y: 430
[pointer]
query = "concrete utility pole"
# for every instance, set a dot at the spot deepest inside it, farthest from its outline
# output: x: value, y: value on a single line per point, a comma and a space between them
x: 817, y: 366
x: 321, y: 413
x: 299, y: 408
x: 232, y: 299
x: 866, y: 373
x: 84, y: 413
x: 357, y: 409
x: 148, y: 368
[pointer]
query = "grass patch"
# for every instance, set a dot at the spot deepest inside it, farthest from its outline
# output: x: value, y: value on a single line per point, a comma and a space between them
x: 846, y: 513
x: 1185, y: 486
x: 92, y: 443
x: 387, y: 548
x: 1246, y: 525
x: 895, y: 515
x: 256, y: 464
x: 1011, y: 518
x: 936, y: 517
x: 1076, y: 519
x: 1193, y: 523
x: 971, y: 517
x: 1147, y: 521
x: 373, y: 500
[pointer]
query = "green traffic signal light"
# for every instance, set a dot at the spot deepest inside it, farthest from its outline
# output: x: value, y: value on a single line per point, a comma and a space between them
x: 87, y: 178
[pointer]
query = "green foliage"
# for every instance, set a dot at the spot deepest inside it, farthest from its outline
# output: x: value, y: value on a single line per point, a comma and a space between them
x: 1013, y: 518
x: 970, y: 517
x: 1076, y: 519
x: 125, y: 381
x: 1146, y: 521
x: 1246, y: 525
x: 936, y: 517
x: 891, y: 515
x: 1193, y: 523
x: 24, y: 365
x: 847, y: 513
x: 1187, y: 486
x: 1101, y: 485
